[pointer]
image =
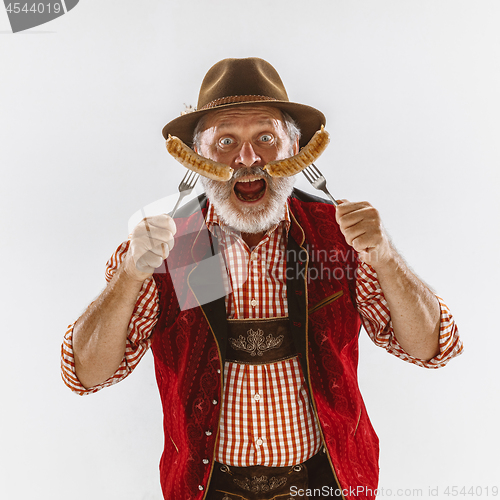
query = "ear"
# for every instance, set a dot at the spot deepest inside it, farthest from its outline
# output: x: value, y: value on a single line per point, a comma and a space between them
x: 296, y: 147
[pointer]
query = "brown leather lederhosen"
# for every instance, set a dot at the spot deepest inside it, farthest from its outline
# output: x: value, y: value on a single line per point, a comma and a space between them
x: 255, y: 342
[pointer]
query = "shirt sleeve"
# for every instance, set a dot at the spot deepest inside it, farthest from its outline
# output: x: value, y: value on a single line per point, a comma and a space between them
x: 376, y: 319
x: 140, y: 328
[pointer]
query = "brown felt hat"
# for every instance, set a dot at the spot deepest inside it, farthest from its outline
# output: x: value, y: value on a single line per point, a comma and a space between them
x: 243, y: 82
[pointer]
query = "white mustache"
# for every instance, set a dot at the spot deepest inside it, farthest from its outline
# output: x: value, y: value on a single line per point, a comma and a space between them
x: 256, y: 172
x: 251, y: 172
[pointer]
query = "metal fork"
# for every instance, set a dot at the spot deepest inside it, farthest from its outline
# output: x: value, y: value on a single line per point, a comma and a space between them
x: 318, y: 181
x: 185, y: 187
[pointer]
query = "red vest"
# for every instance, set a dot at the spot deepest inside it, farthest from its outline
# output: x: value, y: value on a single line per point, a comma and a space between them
x: 189, y: 349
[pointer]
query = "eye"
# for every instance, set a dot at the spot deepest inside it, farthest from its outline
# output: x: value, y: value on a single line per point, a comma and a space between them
x: 266, y: 138
x: 225, y: 141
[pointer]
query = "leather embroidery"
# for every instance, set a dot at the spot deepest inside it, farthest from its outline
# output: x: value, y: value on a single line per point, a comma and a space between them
x: 255, y: 344
x: 261, y: 484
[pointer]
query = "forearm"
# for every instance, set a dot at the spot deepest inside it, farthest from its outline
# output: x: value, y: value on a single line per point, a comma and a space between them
x: 100, y: 334
x: 414, y: 309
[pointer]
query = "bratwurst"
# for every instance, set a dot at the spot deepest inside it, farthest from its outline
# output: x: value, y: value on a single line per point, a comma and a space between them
x: 199, y: 164
x: 307, y: 155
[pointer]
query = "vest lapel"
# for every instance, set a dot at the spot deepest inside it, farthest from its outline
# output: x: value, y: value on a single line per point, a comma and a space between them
x: 205, y: 281
x: 296, y: 270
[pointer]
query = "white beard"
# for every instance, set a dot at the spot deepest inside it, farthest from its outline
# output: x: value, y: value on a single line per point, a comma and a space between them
x: 250, y: 220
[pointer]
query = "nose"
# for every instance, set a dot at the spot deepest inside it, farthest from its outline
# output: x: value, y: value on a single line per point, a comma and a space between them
x: 247, y: 156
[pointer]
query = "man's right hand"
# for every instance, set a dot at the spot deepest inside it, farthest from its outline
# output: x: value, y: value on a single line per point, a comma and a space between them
x: 150, y: 243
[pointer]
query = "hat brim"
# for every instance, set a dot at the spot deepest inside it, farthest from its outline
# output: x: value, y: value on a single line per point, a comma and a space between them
x: 308, y: 119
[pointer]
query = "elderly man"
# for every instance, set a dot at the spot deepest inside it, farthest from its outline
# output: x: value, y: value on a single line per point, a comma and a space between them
x: 253, y: 316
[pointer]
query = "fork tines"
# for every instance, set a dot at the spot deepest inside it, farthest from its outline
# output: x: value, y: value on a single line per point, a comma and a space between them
x: 189, y: 180
x: 317, y: 180
x: 185, y: 187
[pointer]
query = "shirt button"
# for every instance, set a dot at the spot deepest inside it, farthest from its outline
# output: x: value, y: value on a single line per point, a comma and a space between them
x: 205, y: 461
x: 257, y: 397
x: 259, y: 442
x: 253, y: 302
x: 208, y: 433
x: 218, y: 371
x: 214, y: 402
x: 200, y: 487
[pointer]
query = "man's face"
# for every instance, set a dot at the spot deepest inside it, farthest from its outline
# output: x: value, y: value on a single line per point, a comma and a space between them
x: 246, y: 139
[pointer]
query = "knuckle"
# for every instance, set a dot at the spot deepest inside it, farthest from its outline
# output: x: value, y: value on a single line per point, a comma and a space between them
x: 158, y: 261
x: 172, y: 228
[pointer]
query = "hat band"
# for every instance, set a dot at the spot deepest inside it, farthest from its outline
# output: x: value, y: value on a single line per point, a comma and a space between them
x: 236, y: 98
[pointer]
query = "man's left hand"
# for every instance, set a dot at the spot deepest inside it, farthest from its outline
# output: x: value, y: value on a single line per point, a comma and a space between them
x: 362, y: 228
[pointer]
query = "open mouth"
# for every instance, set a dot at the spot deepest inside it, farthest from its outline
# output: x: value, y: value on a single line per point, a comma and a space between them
x: 250, y: 190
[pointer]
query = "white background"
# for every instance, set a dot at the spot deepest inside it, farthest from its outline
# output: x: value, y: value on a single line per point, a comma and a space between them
x: 411, y: 94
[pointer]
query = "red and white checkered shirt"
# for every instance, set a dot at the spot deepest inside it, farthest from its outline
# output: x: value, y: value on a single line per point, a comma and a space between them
x: 266, y: 416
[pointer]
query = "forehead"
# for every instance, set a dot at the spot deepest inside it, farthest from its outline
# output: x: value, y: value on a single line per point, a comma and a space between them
x: 244, y: 115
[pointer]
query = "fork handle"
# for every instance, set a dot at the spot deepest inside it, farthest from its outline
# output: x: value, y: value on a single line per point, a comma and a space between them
x: 335, y: 202
x: 172, y: 213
